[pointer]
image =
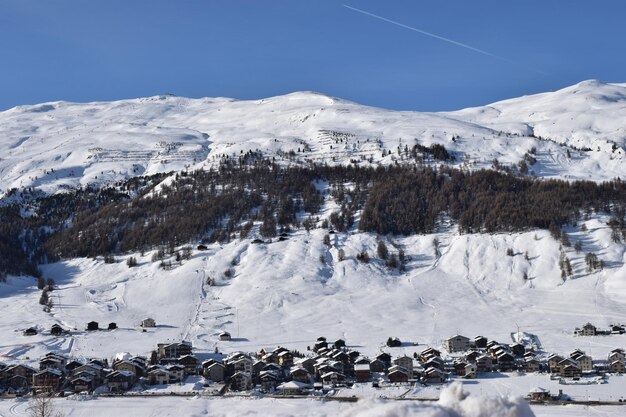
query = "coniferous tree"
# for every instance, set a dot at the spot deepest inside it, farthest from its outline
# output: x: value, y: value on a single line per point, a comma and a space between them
x: 382, y: 251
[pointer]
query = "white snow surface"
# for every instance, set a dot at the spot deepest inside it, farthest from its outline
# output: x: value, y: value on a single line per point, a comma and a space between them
x: 453, y: 403
x: 55, y: 145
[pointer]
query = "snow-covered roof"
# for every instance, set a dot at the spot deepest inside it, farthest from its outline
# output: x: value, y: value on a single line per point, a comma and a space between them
x: 293, y: 385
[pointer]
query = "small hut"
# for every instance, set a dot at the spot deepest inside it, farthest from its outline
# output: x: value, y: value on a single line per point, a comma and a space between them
x: 56, y: 330
x: 148, y: 322
x: 31, y: 331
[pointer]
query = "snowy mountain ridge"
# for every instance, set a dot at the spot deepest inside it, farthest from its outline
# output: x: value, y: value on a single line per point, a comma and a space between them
x: 55, y: 145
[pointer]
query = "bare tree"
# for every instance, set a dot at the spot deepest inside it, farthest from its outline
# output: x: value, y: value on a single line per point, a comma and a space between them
x: 42, y: 406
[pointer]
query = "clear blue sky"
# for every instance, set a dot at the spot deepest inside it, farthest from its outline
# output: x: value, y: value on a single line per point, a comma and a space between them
x: 85, y: 50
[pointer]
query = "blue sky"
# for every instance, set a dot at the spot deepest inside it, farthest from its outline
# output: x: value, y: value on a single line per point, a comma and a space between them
x: 103, y: 50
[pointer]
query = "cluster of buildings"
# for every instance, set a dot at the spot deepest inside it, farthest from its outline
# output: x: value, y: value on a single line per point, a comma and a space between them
x: 481, y: 355
x: 57, y: 330
x: 58, y: 373
x: 589, y: 329
x: 169, y: 363
x: 327, y: 364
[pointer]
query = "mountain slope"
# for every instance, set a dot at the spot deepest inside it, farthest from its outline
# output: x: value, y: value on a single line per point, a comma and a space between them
x: 281, y: 293
x: 55, y: 145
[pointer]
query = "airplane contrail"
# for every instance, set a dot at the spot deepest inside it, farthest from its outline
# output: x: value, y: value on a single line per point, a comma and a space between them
x: 452, y: 41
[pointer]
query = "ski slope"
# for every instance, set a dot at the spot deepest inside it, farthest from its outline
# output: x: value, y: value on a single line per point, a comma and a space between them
x: 282, y: 294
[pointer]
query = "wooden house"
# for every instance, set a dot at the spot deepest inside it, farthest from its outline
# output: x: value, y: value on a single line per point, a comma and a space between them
x: 457, y: 343
x: 31, y: 331
x: 190, y: 364
x: 332, y: 378
x: 568, y: 368
x: 484, y: 363
x: 173, y: 350
x: 51, y: 362
x: 435, y: 362
x: 148, y: 322
x: 506, y: 362
x: 405, y: 362
x: 427, y: 353
x: 300, y: 374
x: 377, y: 366
x: 617, y: 367
x: 159, y: 376
x: 216, y: 372
x: 307, y: 363
x: 553, y: 362
x: 584, y: 362
x: 538, y: 394
x: 273, y: 367
x: 321, y: 343
x: 92, y: 369
x: 18, y: 383
x: 225, y: 336
x: 362, y: 372
x: 240, y: 381
x: 472, y: 356
x: 398, y: 375
x: 56, y: 330
x: 470, y: 371
x: 92, y: 326
x: 517, y: 349
x: 48, y: 380
x: 128, y: 366
x: 81, y: 383
x: 177, y: 373
x: 285, y: 358
x: 617, y: 355
x: 433, y: 376
x: 465, y: 369
x: 121, y: 380
x: 588, y: 330
x: 19, y: 370
x: 242, y: 364
x: 385, y: 358
x: 341, y: 356
x: 532, y: 365
x: 257, y: 367
x: 480, y: 342
x: 268, y: 380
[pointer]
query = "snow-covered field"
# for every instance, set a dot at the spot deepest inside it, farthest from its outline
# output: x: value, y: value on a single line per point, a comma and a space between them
x: 55, y: 145
x: 451, y: 406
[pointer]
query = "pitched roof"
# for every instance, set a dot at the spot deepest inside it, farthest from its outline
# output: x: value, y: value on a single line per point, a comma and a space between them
x: 293, y: 385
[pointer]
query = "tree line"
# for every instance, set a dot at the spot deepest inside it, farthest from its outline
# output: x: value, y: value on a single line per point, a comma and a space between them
x: 221, y: 204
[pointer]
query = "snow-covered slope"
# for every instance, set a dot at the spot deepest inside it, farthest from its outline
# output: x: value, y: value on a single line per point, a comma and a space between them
x: 586, y: 115
x: 283, y: 294
x: 54, y: 145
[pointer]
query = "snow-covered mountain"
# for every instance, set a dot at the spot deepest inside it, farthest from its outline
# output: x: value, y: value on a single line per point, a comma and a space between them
x: 54, y: 145
x: 289, y: 292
